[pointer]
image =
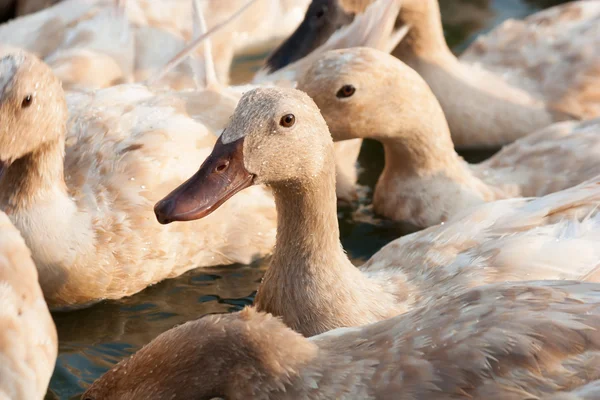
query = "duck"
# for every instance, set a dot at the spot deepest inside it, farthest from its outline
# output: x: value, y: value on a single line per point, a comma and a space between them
x: 312, y: 285
x: 373, y: 28
x: 519, y: 340
x: 80, y: 183
x: 425, y: 181
x: 527, y: 90
x: 28, y: 335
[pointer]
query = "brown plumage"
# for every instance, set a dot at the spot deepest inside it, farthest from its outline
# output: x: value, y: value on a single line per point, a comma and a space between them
x: 509, y: 341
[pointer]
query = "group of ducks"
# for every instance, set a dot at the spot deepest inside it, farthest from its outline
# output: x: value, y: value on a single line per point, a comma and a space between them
x: 494, y: 299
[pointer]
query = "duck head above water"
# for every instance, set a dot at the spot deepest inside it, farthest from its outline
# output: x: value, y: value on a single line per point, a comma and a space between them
x: 33, y: 111
x: 366, y: 93
x: 263, y: 144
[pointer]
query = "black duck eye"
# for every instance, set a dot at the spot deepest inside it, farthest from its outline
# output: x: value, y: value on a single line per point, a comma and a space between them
x: 346, y: 91
x: 321, y: 13
x: 27, y: 100
x: 287, y: 121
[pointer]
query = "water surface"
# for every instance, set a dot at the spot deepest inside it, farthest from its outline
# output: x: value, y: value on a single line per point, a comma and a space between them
x: 94, y: 339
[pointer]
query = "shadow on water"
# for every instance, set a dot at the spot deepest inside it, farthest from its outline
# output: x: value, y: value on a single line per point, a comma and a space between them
x: 94, y: 339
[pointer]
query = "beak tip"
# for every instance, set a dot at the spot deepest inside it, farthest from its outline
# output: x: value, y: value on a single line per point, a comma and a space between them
x: 161, y: 211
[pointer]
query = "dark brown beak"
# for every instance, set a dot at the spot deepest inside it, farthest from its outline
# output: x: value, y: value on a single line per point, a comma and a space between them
x: 221, y: 176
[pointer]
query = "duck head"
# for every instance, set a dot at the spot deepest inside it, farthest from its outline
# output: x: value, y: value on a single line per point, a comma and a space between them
x: 33, y: 110
x: 366, y: 93
x: 272, y: 139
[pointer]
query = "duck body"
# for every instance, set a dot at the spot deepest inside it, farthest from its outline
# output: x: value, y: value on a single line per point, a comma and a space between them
x: 502, y: 341
x: 424, y: 181
x: 499, y: 102
x: 83, y: 197
x: 311, y: 283
x: 28, y: 336
x: 552, y: 54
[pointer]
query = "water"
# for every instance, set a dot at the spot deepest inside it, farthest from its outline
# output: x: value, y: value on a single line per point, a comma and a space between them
x: 94, y: 339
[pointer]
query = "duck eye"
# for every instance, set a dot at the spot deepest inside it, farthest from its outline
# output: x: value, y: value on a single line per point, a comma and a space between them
x: 287, y: 121
x: 321, y: 12
x: 27, y: 100
x: 346, y: 91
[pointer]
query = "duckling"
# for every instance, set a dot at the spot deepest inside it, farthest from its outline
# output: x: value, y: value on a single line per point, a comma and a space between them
x: 82, y: 197
x: 557, y: 81
x: 312, y: 284
x: 425, y: 181
x: 504, y: 341
x: 28, y: 340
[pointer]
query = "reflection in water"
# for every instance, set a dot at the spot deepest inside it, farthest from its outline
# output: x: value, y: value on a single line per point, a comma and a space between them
x: 94, y: 339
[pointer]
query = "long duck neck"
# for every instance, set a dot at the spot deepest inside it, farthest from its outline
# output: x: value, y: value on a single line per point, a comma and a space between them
x: 420, y: 146
x: 32, y: 176
x: 307, y: 222
x: 424, y: 180
x: 311, y: 283
x: 425, y: 38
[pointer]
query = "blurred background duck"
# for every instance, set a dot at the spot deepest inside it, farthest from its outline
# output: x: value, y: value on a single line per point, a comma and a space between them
x: 100, y: 43
x: 425, y: 181
x: 312, y: 284
x: 504, y: 341
x: 521, y: 78
x: 28, y: 342
x: 82, y: 196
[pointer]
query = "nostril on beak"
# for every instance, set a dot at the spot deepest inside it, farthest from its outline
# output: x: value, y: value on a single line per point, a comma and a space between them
x: 222, y: 166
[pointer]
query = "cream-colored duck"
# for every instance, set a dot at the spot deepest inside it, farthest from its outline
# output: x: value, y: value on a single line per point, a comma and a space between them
x: 485, y: 109
x: 373, y: 28
x: 82, y: 197
x: 28, y: 342
x: 424, y: 181
x: 277, y: 137
x: 530, y: 340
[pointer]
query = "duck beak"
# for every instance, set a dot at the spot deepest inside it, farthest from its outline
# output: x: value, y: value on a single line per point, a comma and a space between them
x: 222, y: 175
x: 309, y: 35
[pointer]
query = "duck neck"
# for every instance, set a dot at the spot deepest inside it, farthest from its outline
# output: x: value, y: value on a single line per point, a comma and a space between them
x: 307, y: 226
x: 311, y: 283
x: 426, y: 35
x: 32, y: 176
x: 422, y: 148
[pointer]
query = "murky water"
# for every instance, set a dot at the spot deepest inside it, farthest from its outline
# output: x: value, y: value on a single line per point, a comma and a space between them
x: 94, y: 339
